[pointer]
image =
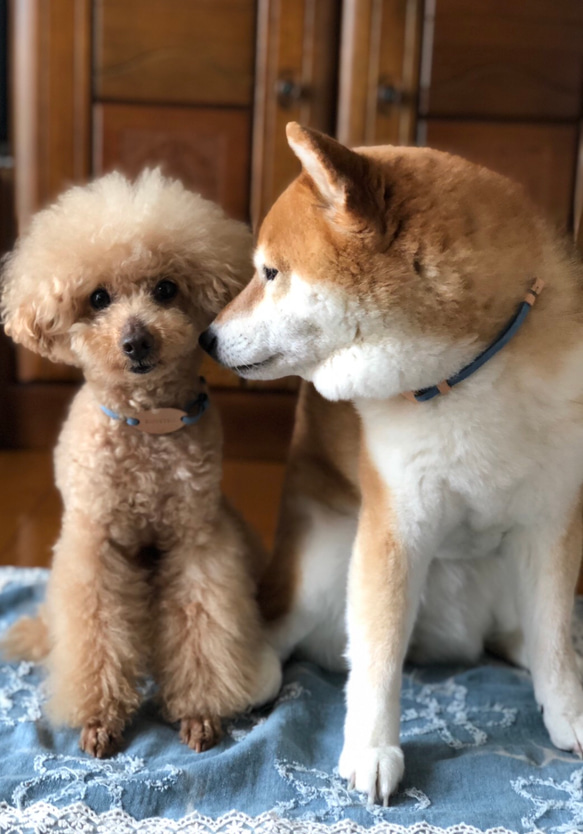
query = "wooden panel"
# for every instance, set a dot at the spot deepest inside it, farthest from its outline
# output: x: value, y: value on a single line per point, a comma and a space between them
x: 207, y: 148
x: 578, y: 201
x: 51, y: 99
x: 500, y: 58
x: 379, y: 62
x: 540, y: 156
x: 257, y: 425
x: 51, y: 116
x: 297, y: 44
x: 197, y: 52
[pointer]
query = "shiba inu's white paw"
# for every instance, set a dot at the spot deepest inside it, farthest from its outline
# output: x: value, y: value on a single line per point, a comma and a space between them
x: 375, y: 771
x: 565, y: 729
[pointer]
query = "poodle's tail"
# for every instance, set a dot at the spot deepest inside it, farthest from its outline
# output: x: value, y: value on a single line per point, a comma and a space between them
x: 27, y: 639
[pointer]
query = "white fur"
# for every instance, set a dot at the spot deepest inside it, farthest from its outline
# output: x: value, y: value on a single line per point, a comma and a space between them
x: 316, y: 627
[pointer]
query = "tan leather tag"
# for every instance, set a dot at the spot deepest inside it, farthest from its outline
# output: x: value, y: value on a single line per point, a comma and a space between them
x: 160, y: 420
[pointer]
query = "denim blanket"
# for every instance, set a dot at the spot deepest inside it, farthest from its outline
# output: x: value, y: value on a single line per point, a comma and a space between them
x: 477, y: 759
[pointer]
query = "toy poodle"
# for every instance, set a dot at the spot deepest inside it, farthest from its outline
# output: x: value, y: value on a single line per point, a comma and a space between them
x: 153, y: 573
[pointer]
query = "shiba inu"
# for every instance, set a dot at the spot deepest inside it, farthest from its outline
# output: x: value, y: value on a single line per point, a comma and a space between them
x: 455, y: 509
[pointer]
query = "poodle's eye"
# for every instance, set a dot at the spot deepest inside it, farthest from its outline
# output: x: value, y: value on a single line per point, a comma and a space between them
x: 165, y: 290
x: 100, y: 299
x: 270, y: 272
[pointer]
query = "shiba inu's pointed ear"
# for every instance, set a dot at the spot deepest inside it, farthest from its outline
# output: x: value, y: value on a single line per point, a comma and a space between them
x: 342, y: 177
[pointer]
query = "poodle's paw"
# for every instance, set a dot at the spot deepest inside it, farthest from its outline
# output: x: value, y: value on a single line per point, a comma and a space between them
x: 565, y: 730
x: 201, y: 734
x: 98, y: 740
x: 375, y: 771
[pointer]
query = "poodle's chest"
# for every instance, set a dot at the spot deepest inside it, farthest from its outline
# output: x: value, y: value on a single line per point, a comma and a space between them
x: 146, y: 481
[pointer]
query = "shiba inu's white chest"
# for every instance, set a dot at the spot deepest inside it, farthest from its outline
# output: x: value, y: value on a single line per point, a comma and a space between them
x: 466, y: 473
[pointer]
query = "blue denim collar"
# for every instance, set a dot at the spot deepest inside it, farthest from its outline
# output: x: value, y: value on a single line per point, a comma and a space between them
x: 423, y: 395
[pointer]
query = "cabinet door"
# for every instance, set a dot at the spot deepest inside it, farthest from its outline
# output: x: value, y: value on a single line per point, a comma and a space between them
x: 175, y: 51
x: 542, y: 157
x: 495, y: 58
x: 379, y: 62
x: 205, y: 147
x: 297, y: 52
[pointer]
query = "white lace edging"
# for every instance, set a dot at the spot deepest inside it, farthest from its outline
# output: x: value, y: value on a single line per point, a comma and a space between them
x: 42, y: 816
x: 11, y: 575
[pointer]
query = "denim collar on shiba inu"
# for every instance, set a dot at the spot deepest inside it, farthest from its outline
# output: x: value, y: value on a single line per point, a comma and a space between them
x: 164, y: 420
x: 445, y: 386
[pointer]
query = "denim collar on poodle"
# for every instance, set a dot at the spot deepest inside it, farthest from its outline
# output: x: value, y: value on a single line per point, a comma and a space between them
x: 165, y: 420
x: 445, y: 386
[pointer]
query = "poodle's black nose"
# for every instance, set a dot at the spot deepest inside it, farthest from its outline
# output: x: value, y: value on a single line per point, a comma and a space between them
x: 136, y: 341
x: 208, y: 340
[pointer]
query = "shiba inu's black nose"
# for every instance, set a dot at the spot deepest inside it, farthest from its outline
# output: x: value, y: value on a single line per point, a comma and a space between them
x: 208, y: 340
x: 136, y: 341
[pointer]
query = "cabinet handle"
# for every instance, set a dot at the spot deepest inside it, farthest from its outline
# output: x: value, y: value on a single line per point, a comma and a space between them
x: 388, y: 95
x: 289, y: 92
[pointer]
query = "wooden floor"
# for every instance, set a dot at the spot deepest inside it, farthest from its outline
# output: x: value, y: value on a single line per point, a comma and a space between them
x: 30, y: 506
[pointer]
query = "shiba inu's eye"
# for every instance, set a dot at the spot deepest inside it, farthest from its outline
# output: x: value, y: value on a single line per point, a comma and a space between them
x: 269, y: 272
x: 165, y: 290
x: 100, y: 299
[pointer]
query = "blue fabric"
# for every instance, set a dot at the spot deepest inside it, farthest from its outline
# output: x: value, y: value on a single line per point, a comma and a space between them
x: 476, y: 752
x: 511, y: 329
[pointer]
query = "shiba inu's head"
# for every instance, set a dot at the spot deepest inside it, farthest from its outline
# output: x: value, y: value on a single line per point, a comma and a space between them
x: 378, y: 270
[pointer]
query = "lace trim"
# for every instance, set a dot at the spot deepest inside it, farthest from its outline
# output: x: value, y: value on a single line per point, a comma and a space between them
x: 42, y: 816
x: 10, y: 575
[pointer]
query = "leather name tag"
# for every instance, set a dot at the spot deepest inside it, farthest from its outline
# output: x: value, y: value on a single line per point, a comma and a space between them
x: 160, y: 420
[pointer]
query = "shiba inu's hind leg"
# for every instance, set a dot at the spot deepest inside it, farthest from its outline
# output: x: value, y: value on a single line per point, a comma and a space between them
x: 548, y: 574
x: 303, y: 591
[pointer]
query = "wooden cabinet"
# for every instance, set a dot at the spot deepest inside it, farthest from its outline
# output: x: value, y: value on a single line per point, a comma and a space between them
x: 207, y: 148
x: 541, y: 156
x: 175, y: 51
x: 500, y: 59
x: 502, y: 84
x: 204, y: 88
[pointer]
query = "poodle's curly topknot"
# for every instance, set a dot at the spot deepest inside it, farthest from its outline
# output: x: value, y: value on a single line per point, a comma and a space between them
x: 106, y: 227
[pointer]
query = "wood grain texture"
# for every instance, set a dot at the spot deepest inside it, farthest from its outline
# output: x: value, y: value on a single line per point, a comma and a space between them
x: 499, y: 59
x: 176, y: 52
x: 207, y: 148
x: 541, y: 157
x: 380, y: 47
x: 297, y: 40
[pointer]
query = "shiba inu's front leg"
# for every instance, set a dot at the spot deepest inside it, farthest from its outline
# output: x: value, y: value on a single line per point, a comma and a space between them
x: 384, y: 588
x: 546, y: 576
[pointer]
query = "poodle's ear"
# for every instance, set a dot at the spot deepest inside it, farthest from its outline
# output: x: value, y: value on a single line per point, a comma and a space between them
x: 34, y: 315
x: 222, y: 263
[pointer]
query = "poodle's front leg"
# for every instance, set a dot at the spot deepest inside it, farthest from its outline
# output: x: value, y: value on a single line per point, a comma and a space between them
x: 210, y: 656
x: 97, y: 611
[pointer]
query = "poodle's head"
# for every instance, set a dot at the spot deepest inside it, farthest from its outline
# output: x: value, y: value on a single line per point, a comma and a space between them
x: 120, y: 278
